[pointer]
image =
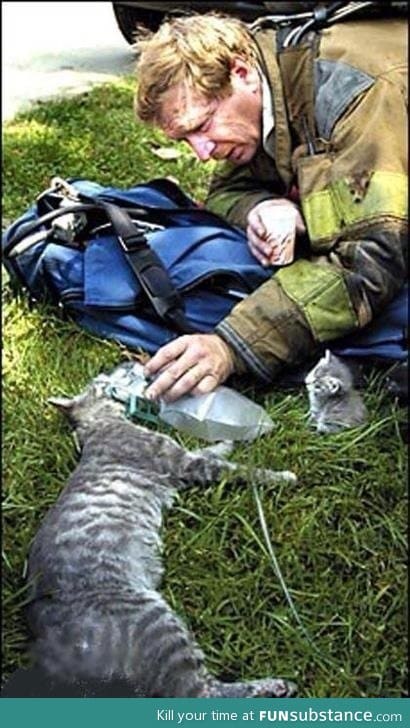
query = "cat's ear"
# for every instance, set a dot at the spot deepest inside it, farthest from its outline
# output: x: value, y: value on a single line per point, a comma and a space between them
x: 98, y: 386
x: 62, y: 403
x: 332, y: 358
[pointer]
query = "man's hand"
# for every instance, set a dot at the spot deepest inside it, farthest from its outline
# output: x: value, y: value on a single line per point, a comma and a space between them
x: 269, y: 224
x: 196, y: 364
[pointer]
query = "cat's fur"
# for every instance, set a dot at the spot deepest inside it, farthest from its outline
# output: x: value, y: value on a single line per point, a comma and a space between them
x: 334, y: 402
x: 95, y: 563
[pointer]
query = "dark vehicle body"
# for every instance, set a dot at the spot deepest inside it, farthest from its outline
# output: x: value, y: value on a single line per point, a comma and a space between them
x: 151, y: 13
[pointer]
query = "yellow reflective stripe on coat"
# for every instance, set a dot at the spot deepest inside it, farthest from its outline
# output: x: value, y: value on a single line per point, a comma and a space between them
x: 321, y: 292
x: 329, y: 211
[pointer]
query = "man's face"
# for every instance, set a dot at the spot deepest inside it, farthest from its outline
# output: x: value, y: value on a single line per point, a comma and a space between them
x: 227, y: 128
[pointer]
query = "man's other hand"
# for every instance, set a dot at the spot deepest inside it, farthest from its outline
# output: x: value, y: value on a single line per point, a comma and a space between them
x: 269, y: 224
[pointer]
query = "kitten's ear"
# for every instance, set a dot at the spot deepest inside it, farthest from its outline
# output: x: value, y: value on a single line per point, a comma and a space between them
x: 333, y: 358
x: 62, y: 403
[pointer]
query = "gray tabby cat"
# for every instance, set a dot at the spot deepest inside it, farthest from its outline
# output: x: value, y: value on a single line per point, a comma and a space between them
x: 334, y: 403
x: 95, y: 562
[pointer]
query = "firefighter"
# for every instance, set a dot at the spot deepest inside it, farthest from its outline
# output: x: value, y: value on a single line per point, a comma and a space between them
x: 309, y: 129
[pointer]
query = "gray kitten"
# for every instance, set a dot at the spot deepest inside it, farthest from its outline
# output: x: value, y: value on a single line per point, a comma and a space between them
x: 95, y: 562
x: 334, y: 403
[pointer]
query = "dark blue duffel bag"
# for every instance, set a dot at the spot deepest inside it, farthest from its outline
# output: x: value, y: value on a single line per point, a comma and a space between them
x: 145, y: 264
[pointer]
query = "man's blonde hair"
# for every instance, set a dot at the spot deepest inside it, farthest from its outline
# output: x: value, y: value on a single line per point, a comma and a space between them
x: 198, y: 50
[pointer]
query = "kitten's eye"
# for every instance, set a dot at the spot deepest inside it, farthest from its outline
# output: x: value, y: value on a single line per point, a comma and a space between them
x: 333, y: 385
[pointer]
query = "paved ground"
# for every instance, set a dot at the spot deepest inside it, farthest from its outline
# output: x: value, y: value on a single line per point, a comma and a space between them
x: 53, y: 48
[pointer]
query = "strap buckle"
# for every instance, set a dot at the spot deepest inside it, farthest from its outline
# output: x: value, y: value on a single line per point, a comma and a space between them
x: 127, y: 384
x: 133, y: 243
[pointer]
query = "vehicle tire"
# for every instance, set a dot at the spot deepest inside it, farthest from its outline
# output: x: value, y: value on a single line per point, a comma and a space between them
x: 128, y: 18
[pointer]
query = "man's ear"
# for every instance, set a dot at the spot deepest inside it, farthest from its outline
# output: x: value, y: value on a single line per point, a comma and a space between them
x: 243, y: 74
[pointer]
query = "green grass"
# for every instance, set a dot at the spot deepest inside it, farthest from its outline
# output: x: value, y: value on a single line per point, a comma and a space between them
x: 339, y: 533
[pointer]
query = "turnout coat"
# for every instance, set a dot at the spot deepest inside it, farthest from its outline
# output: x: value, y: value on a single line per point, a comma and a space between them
x: 339, y: 137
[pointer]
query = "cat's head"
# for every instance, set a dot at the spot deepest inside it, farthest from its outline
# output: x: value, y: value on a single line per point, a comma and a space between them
x: 329, y: 376
x: 92, y: 405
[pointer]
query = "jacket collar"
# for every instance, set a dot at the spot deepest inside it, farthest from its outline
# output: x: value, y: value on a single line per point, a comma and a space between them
x: 268, y: 118
x: 278, y: 142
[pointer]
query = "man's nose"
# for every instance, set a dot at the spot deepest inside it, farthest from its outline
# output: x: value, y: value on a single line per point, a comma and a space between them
x: 202, y: 146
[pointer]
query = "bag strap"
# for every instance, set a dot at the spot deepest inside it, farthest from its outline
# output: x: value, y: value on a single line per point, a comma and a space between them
x: 159, y: 215
x: 149, y: 269
x: 146, y: 265
x: 27, y: 229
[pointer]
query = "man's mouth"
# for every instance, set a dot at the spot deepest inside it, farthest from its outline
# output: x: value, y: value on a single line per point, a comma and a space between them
x: 235, y: 154
x: 223, y: 152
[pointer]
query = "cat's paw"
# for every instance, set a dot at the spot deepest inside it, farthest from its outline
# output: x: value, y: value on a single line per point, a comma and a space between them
x: 219, y: 449
x: 272, y: 688
x: 328, y: 428
x: 274, y: 476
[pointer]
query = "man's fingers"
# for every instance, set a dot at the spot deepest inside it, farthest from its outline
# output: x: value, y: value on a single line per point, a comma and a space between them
x: 165, y: 355
x: 259, y: 248
x: 256, y: 224
x: 167, y: 382
x: 188, y: 382
x: 207, y: 384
